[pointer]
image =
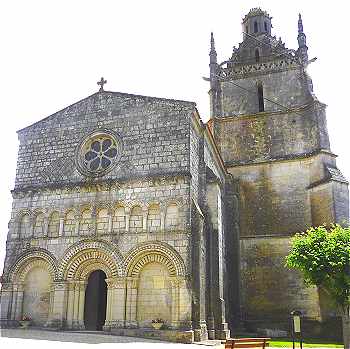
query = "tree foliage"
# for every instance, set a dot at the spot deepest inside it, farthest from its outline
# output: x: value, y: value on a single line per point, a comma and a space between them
x: 323, y: 257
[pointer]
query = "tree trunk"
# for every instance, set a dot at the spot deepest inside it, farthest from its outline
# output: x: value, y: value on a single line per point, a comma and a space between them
x: 346, y: 330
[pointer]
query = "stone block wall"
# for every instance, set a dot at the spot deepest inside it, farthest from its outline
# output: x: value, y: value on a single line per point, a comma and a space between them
x: 277, y: 200
x: 153, y: 132
x: 269, y: 290
x: 285, y: 84
x: 118, y: 203
x: 270, y: 136
x: 274, y: 198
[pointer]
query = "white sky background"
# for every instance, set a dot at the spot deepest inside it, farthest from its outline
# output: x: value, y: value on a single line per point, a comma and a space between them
x: 54, y: 52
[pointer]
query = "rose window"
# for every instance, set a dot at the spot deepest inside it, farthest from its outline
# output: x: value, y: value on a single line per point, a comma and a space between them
x: 98, y: 153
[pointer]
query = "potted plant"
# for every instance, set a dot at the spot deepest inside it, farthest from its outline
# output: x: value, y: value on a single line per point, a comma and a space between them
x: 25, y: 321
x: 157, y: 323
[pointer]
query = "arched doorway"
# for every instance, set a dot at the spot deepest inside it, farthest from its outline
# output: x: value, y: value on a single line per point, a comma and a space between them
x: 95, y: 301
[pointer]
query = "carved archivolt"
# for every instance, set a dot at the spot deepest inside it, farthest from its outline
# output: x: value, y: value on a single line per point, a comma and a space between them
x: 79, y: 256
x: 154, y: 252
x: 88, y: 260
x: 88, y: 266
x: 31, y: 259
x: 138, y: 264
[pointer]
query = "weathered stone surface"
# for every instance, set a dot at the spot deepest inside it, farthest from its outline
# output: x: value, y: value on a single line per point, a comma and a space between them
x: 190, y: 223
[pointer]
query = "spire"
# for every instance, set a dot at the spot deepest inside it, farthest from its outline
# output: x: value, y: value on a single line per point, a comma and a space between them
x: 300, y: 24
x: 301, y: 35
x: 302, y: 41
x: 212, y: 54
x: 214, y: 91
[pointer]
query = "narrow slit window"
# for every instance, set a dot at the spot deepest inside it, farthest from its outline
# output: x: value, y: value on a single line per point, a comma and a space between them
x: 255, y: 27
x: 246, y: 29
x: 265, y: 26
x: 257, y: 56
x: 261, y: 97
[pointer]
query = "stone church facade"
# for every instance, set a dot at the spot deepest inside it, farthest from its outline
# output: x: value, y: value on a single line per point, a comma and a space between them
x: 128, y: 209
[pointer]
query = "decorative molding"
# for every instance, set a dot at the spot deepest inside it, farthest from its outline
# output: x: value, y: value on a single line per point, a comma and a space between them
x: 152, y: 257
x: 28, y: 259
x: 154, y: 248
x: 91, y: 250
x: 100, y: 184
x: 239, y: 71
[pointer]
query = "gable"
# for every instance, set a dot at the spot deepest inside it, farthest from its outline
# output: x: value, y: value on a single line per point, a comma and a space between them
x: 151, y: 135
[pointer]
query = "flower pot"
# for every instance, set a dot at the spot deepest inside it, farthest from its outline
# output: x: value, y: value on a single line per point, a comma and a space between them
x: 157, y: 325
x: 24, y: 323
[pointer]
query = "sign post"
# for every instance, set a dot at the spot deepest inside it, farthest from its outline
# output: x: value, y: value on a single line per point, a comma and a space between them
x: 296, y: 327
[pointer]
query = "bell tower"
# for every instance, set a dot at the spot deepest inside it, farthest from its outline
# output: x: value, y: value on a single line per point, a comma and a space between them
x: 271, y: 132
x: 256, y: 22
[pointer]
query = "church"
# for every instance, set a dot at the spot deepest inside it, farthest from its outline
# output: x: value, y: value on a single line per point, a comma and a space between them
x: 130, y: 211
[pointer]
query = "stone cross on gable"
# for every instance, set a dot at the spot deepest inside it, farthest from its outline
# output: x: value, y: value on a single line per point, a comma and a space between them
x: 101, y: 83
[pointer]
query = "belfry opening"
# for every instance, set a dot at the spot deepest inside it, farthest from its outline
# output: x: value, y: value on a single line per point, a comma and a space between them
x: 95, y: 301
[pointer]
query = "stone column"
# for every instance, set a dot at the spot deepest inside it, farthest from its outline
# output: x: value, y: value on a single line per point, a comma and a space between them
x: 127, y: 218
x: 13, y: 229
x: 78, y: 305
x: 17, y: 301
x: 109, y: 306
x: 75, y: 322
x: 162, y: 216
x: 57, y: 317
x: 77, y: 222
x: 81, y: 305
x: 131, y: 302
x: 60, y: 230
x: 162, y: 221
x: 46, y: 226
x: 70, y: 303
x: 19, y: 305
x: 144, y: 218
x: 119, y: 301
x: 115, y: 312
x: 215, y: 229
x: 31, y: 226
x: 110, y: 221
x: 93, y: 222
x: 199, y: 256
x: 175, y: 301
x: 13, y: 304
x: 6, y: 295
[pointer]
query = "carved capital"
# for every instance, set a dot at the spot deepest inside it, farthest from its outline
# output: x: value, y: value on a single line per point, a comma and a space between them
x: 114, y: 283
x: 177, y: 282
x: 18, y: 287
x: 132, y: 282
x: 60, y: 285
x: 80, y: 285
x: 6, y: 287
x: 71, y: 286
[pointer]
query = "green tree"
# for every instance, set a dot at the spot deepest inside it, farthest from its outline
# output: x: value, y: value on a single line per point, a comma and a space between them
x: 323, y: 257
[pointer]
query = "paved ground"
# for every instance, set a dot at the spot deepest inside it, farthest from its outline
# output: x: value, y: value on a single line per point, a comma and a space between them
x: 41, y: 339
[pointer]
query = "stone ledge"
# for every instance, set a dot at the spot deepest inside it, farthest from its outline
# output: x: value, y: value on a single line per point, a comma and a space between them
x: 179, y: 336
x: 5, y: 323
